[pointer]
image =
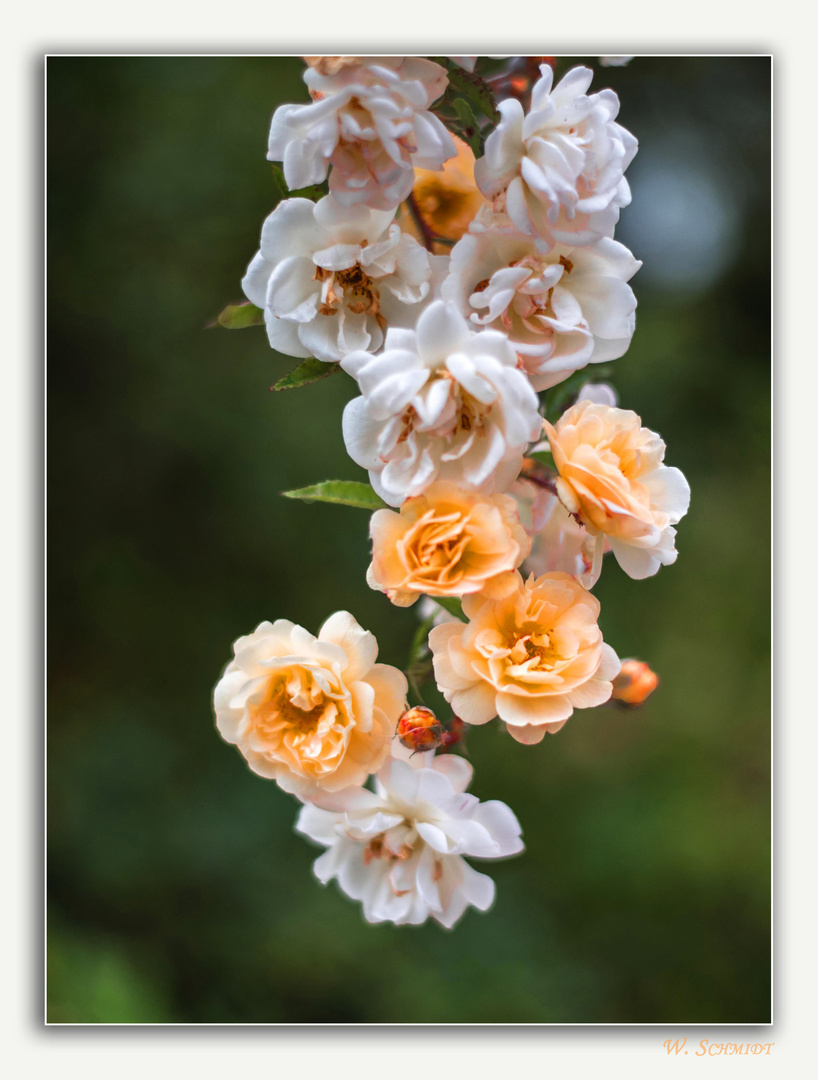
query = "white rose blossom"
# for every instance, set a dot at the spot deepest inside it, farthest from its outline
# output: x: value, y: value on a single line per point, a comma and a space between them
x: 370, y: 121
x: 440, y: 402
x: 331, y: 278
x: 562, y: 307
x: 559, y: 543
x: 558, y: 170
x: 399, y: 849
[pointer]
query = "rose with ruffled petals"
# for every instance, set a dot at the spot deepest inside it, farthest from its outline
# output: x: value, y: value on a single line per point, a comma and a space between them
x: 370, y: 121
x: 447, y: 542
x: 558, y: 170
x: 613, y: 478
x: 562, y: 307
x: 440, y: 402
x: 331, y: 279
x: 530, y: 658
x: 399, y: 849
x: 313, y: 714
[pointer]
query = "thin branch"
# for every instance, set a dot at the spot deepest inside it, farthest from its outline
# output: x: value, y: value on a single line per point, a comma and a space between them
x: 425, y: 231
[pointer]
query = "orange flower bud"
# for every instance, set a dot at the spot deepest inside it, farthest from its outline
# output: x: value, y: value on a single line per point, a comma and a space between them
x: 420, y: 730
x: 634, y: 684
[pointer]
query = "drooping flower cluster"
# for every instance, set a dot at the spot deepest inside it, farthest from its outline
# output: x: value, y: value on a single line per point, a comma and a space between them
x: 463, y: 288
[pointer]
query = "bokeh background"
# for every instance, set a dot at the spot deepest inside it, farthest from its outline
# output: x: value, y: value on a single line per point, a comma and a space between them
x: 178, y: 890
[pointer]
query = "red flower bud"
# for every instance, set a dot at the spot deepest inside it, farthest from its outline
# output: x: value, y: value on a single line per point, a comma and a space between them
x: 420, y: 730
x: 455, y: 733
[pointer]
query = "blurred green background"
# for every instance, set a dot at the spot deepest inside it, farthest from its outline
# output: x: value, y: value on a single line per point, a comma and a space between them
x: 178, y: 890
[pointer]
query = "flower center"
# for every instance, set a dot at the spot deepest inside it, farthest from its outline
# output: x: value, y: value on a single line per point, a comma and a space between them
x: 284, y: 710
x: 378, y: 847
x: 351, y: 287
x: 533, y: 646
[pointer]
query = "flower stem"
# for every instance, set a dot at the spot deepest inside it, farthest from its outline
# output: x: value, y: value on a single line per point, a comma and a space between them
x: 425, y: 231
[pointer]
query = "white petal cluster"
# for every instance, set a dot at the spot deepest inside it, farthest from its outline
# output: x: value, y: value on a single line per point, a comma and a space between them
x: 371, y: 122
x: 440, y: 402
x: 330, y: 278
x: 562, y: 307
x: 399, y: 849
x: 558, y: 170
x: 559, y: 542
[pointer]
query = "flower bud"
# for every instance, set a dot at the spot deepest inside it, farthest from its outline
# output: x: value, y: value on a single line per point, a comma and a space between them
x: 635, y: 683
x: 455, y: 733
x: 420, y: 730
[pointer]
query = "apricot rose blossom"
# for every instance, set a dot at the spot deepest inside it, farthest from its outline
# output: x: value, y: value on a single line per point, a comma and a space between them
x: 447, y: 542
x: 613, y: 478
x: 440, y: 402
x: 312, y: 713
x: 399, y: 849
x: 330, y: 279
x: 370, y: 121
x: 530, y: 658
x: 557, y: 171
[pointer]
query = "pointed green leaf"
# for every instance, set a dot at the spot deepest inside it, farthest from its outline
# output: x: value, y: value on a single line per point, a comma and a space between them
x: 562, y: 396
x: 342, y: 492
x: 308, y: 371
x: 477, y: 91
x: 542, y: 457
x: 281, y: 191
x: 239, y: 316
x: 469, y: 128
x: 452, y: 605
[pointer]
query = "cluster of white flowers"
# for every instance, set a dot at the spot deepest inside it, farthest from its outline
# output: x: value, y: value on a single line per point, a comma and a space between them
x: 450, y: 338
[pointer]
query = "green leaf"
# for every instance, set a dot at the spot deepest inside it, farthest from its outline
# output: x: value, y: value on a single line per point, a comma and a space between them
x: 564, y: 394
x: 477, y: 91
x: 469, y: 128
x: 280, y: 189
x: 342, y: 492
x: 308, y: 371
x: 312, y: 191
x: 450, y: 604
x: 542, y: 457
x: 239, y: 316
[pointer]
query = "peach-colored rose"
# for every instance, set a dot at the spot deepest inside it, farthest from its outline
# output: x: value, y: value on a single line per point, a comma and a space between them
x: 313, y: 714
x: 612, y: 477
x: 447, y: 542
x: 531, y: 658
